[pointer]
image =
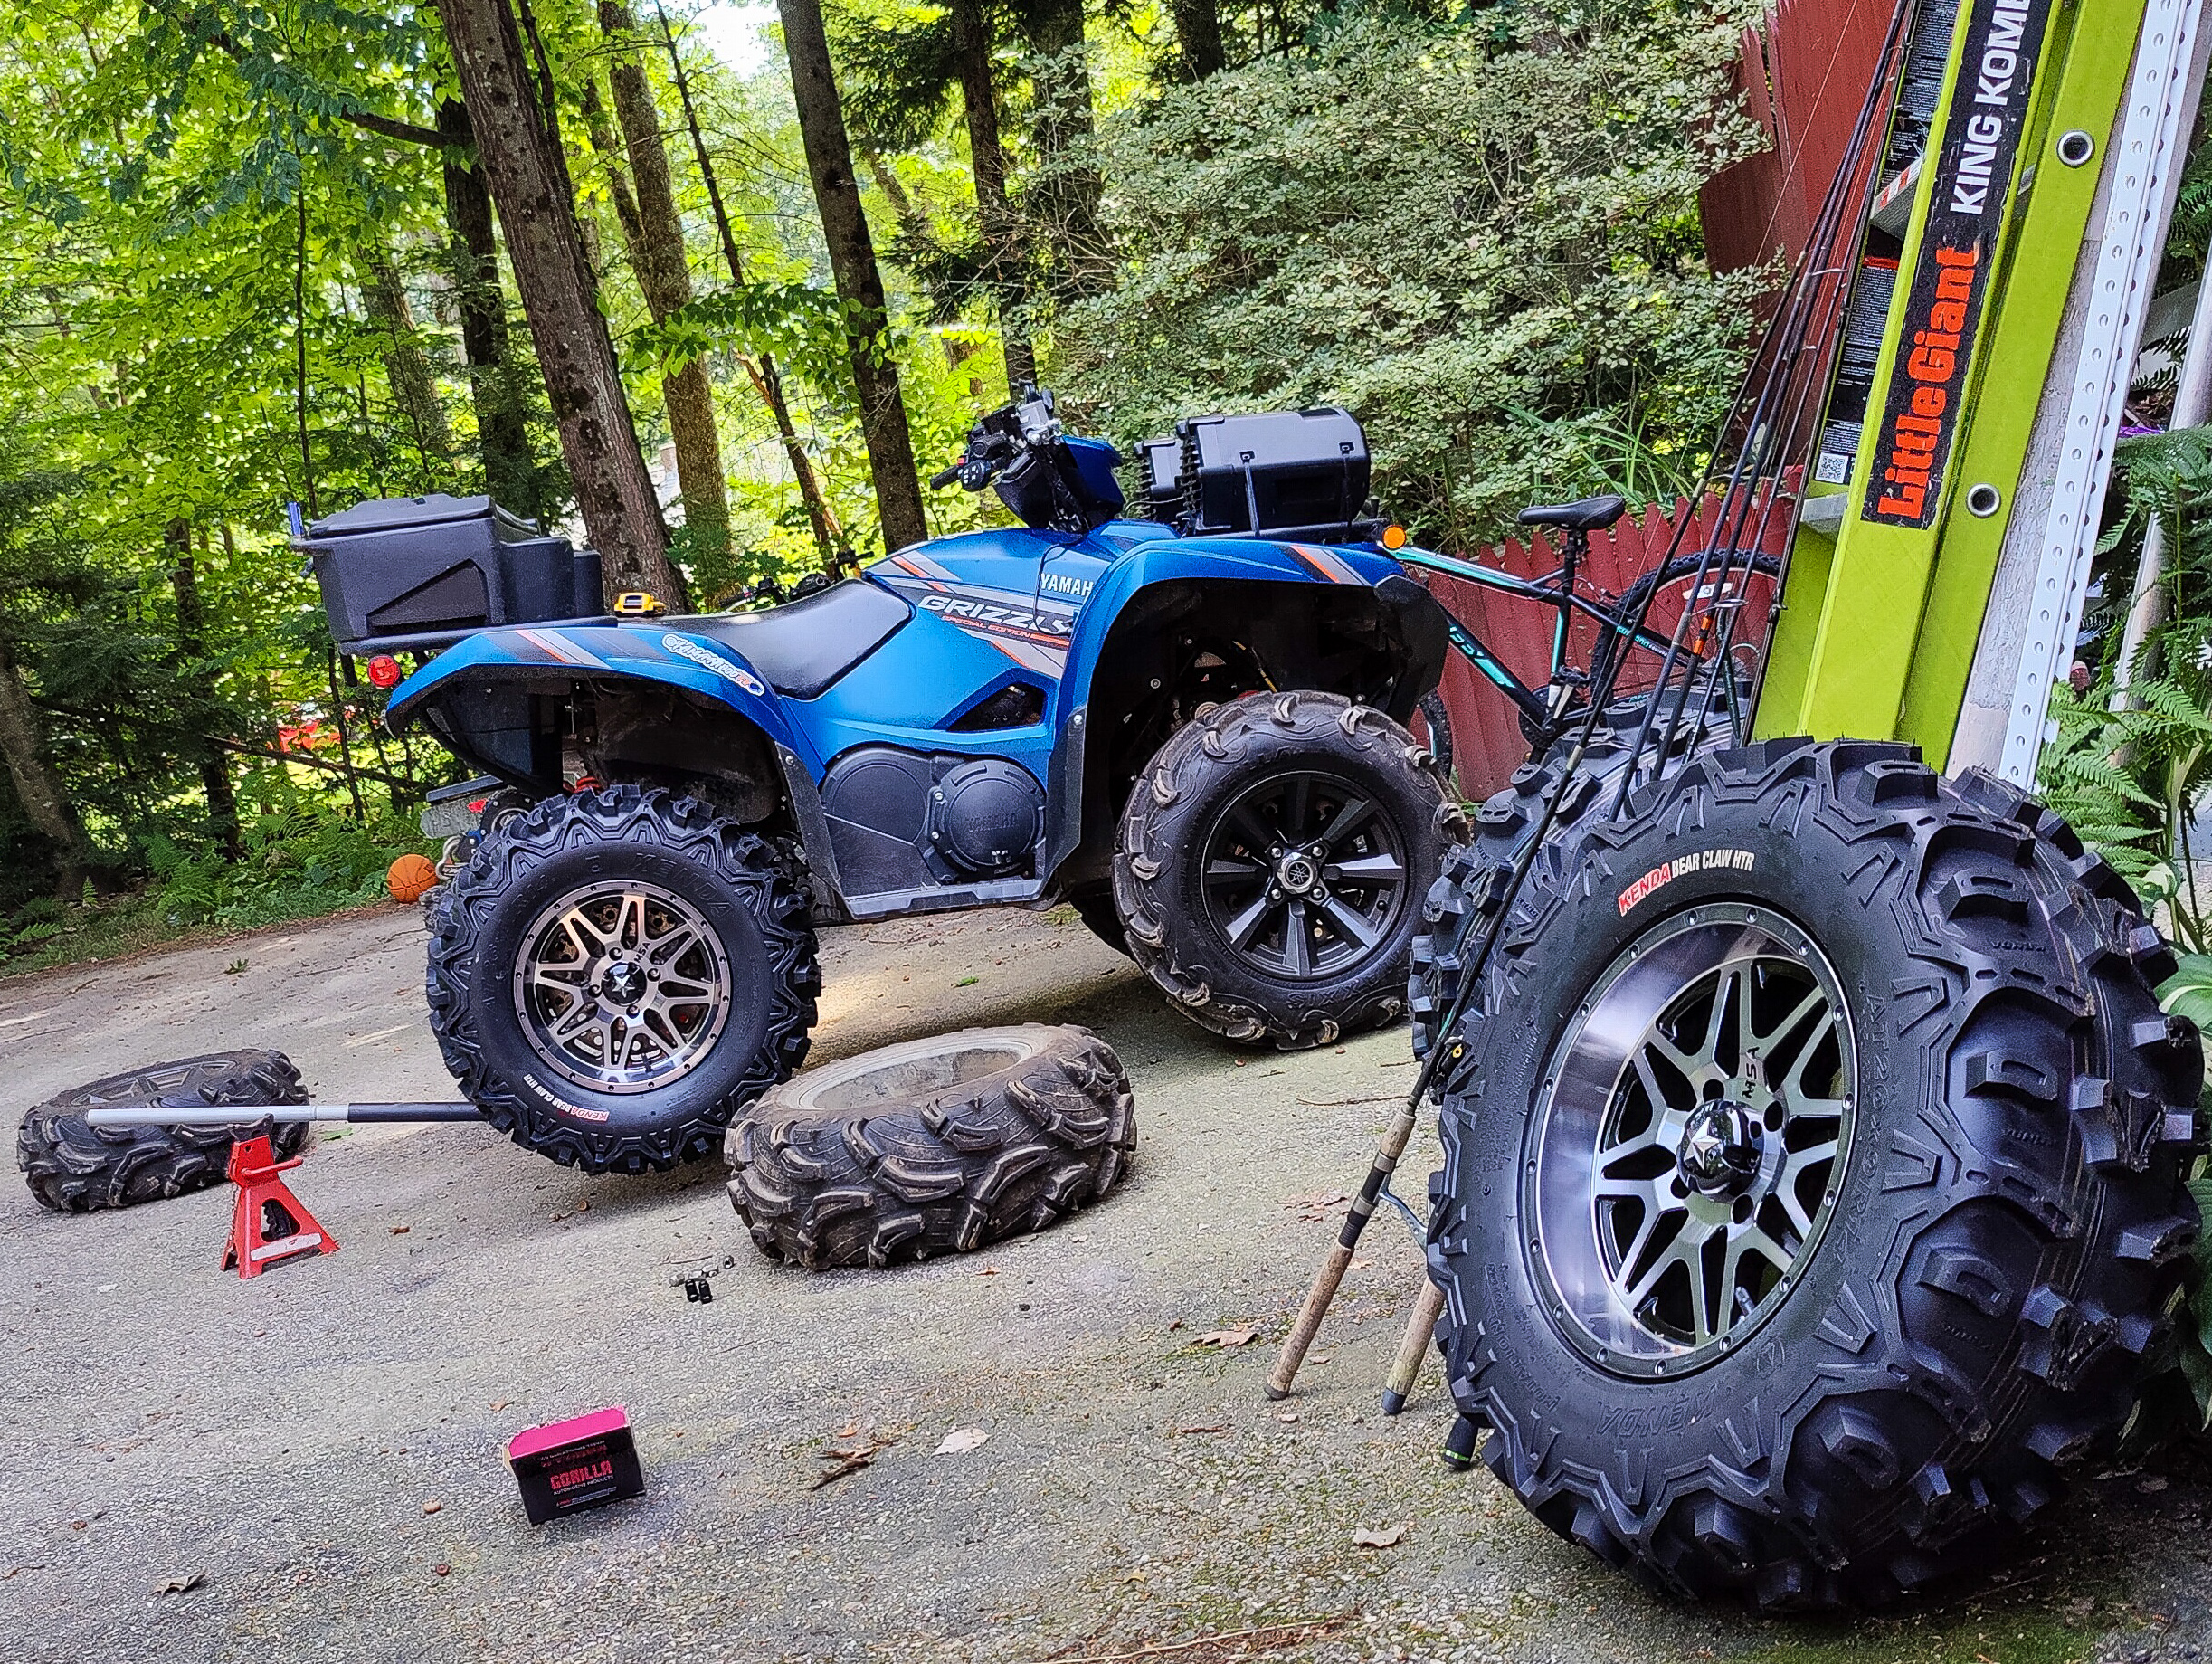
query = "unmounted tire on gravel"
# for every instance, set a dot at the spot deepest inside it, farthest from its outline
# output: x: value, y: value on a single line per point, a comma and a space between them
x: 615, y: 973
x: 1813, y: 1190
x: 75, y: 1167
x: 1271, y: 863
x: 934, y: 1147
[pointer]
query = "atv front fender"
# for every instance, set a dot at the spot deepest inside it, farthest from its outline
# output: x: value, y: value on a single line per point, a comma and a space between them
x: 1417, y: 620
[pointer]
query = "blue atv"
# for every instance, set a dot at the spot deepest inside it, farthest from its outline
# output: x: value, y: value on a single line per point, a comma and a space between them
x: 1189, y: 727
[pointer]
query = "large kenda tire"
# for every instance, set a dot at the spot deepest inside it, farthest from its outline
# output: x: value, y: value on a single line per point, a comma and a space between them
x: 1271, y: 864
x: 614, y: 974
x: 934, y: 1146
x: 74, y: 1167
x: 1898, y: 1030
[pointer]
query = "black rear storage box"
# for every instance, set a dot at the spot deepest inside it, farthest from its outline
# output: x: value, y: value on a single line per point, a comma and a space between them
x: 1292, y: 473
x: 418, y: 571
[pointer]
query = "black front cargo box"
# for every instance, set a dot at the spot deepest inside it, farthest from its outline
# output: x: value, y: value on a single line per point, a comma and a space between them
x: 419, y: 571
x: 1292, y: 473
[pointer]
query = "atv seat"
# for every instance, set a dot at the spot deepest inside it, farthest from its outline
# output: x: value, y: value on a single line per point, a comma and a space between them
x: 803, y: 646
x: 1589, y: 514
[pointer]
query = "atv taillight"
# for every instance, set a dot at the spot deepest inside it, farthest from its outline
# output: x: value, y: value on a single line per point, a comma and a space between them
x: 383, y: 671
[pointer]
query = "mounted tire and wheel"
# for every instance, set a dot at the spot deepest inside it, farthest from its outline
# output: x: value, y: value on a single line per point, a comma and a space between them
x: 1271, y: 862
x: 934, y: 1147
x: 75, y: 1167
x: 616, y: 973
x: 1813, y: 1192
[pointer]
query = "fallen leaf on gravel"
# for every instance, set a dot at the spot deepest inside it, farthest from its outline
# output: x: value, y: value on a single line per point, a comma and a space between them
x: 1174, y: 1326
x: 1361, y: 1265
x: 400, y: 1229
x: 850, y: 1464
x: 501, y: 1404
x: 1138, y: 1576
x: 988, y: 1270
x: 961, y: 1440
x: 1288, y: 1415
x: 1241, y: 1336
x: 177, y: 1585
x: 431, y: 1508
x: 1388, y: 1536
x: 1320, y: 1357
x: 13, y: 1569
x: 849, y: 1430
x: 1205, y: 1427
x: 849, y: 1452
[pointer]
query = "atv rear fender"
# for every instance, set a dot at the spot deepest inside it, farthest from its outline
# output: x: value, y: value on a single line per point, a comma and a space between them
x: 628, y: 703
x: 1340, y: 620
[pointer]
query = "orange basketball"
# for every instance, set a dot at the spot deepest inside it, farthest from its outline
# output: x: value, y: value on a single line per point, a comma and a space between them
x: 410, y: 877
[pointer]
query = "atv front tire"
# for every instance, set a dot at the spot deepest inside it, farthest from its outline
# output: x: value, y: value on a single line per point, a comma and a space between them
x: 1271, y: 864
x: 74, y: 1167
x: 614, y: 974
x: 933, y: 1147
x: 1813, y: 1192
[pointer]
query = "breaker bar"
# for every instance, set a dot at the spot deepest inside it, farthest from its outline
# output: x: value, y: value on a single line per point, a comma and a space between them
x: 239, y: 1115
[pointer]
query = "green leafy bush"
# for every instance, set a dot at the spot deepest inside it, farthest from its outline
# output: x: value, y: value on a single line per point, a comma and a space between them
x: 1487, y: 248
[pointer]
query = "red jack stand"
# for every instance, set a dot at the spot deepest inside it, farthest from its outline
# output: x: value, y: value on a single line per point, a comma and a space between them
x: 269, y: 1223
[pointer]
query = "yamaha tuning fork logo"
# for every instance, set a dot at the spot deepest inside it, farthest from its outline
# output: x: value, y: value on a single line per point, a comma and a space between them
x: 1950, y: 277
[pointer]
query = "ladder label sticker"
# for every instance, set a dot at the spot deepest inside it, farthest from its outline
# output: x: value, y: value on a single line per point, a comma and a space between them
x: 1667, y: 872
x: 1950, y: 277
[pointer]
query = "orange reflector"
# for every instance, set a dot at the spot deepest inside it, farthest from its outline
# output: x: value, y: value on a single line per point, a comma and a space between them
x: 1393, y: 537
x: 383, y: 671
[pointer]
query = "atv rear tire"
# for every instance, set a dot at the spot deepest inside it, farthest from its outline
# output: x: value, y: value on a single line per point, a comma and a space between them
x: 74, y: 1167
x: 614, y: 975
x: 1271, y: 864
x: 1947, y: 1105
x: 934, y: 1147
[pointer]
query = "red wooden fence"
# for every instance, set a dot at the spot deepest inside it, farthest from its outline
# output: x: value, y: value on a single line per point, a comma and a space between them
x: 1803, y: 77
x: 1486, y: 741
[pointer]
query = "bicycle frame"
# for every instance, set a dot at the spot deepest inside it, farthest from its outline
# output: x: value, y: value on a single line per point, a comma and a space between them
x: 1555, y: 590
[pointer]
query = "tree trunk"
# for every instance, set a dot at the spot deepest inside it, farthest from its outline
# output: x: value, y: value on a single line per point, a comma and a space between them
x: 860, y: 284
x: 502, y: 424
x: 1198, y: 39
x: 23, y: 744
x: 664, y: 274
x: 529, y: 182
x: 768, y: 381
x: 1065, y: 129
x: 199, y: 681
x: 987, y: 156
x: 406, y: 370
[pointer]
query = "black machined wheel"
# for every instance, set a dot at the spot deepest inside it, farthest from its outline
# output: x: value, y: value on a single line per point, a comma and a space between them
x: 614, y: 974
x: 1814, y: 1191
x: 1688, y: 1137
x: 1304, y: 874
x: 621, y: 985
x: 1270, y: 864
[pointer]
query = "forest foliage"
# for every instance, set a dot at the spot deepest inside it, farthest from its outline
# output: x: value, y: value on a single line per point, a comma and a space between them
x: 238, y: 272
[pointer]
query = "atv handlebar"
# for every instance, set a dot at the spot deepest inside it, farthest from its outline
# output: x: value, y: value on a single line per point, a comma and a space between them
x: 938, y: 481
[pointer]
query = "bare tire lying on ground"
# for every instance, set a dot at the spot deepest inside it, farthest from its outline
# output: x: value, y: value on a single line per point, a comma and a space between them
x: 1813, y: 1192
x: 1271, y: 863
x: 75, y: 1167
x: 614, y: 974
x: 934, y: 1147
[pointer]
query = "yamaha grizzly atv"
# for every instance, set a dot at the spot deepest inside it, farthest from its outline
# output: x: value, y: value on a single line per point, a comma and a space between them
x: 1191, y: 732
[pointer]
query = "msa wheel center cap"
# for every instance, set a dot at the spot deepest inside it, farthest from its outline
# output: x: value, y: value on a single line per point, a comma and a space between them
x: 1721, y: 1149
x: 623, y: 984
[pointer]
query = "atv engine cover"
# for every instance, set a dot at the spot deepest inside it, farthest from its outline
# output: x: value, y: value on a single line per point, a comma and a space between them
x: 986, y: 816
x: 904, y: 820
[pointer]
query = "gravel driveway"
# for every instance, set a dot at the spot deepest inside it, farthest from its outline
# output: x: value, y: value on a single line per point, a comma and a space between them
x: 317, y: 1453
